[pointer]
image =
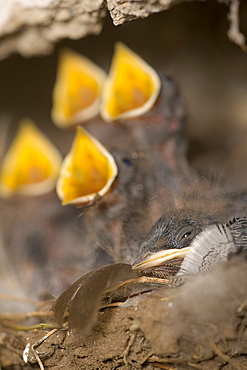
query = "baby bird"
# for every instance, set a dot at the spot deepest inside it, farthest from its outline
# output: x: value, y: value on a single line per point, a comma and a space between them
x: 167, y: 243
x: 189, y: 243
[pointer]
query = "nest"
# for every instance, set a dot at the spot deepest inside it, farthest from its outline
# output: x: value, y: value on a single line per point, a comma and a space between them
x: 200, y: 324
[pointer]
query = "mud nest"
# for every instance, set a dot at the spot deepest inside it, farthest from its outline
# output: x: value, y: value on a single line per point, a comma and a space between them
x: 201, y: 324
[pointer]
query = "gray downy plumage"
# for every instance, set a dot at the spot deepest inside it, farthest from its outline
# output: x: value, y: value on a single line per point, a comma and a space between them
x: 213, y: 245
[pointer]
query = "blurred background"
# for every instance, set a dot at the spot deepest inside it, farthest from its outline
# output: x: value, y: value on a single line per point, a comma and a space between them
x: 189, y: 44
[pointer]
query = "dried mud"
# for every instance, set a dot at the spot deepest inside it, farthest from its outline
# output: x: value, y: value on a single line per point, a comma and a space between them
x: 199, y: 325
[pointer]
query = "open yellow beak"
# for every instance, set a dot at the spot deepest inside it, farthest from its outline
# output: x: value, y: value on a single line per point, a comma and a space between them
x: 160, y: 258
x: 88, y: 170
x: 77, y: 91
x: 31, y: 165
x: 131, y: 88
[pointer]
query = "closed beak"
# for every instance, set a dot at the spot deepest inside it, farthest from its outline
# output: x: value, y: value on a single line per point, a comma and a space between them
x: 159, y: 258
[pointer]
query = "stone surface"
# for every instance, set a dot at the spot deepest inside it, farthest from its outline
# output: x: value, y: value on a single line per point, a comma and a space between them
x: 122, y: 10
x: 32, y: 27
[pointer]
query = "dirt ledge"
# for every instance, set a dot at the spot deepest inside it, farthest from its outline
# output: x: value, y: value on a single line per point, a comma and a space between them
x: 201, y: 324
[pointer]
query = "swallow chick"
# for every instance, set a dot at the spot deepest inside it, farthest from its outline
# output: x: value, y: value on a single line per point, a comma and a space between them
x: 169, y: 241
x: 197, y: 251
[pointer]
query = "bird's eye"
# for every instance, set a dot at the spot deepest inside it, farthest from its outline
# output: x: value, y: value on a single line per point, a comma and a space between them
x: 187, y: 234
x: 126, y: 161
